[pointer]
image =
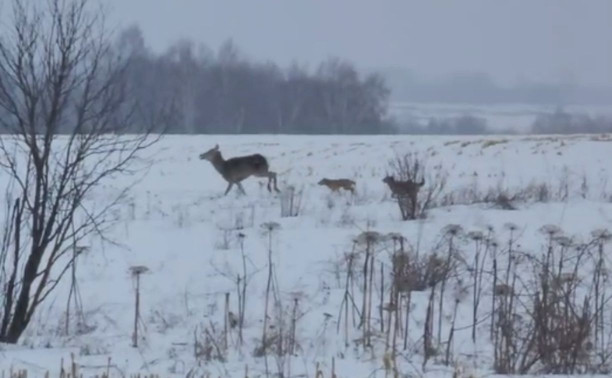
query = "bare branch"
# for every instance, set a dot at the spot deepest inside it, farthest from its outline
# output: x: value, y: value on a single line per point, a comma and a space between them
x: 63, y: 92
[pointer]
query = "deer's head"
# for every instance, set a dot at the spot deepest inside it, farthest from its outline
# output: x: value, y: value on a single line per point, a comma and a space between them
x: 210, y: 154
x: 323, y: 181
x: 388, y: 179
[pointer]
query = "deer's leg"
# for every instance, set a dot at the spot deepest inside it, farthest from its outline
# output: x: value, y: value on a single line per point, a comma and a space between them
x: 229, y: 186
x: 402, y: 206
x: 241, y: 188
x: 264, y: 174
x: 272, y: 177
x: 405, y: 206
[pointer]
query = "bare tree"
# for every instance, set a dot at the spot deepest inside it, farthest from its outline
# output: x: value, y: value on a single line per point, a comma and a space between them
x: 65, y: 107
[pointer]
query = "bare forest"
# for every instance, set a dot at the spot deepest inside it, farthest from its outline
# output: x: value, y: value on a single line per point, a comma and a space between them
x: 225, y: 92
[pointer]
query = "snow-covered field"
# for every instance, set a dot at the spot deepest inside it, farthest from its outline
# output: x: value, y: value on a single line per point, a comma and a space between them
x: 178, y: 225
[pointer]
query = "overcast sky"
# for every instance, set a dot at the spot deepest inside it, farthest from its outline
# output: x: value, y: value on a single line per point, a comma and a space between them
x: 544, y: 40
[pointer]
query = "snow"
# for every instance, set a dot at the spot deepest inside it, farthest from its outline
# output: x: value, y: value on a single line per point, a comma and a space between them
x: 173, y: 224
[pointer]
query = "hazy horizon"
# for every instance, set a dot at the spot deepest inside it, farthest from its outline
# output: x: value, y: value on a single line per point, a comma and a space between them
x: 521, y: 41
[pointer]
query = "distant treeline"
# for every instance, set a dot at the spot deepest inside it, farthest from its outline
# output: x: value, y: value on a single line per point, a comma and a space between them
x: 190, y: 89
x: 224, y: 92
x: 559, y: 122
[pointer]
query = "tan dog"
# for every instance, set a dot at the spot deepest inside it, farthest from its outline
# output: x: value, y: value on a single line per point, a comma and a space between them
x: 337, y: 184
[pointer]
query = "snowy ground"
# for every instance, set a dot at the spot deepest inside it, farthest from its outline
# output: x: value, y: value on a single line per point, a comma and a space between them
x: 178, y: 224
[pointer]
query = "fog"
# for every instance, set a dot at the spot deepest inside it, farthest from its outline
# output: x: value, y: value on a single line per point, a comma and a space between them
x: 364, y: 67
x: 511, y: 41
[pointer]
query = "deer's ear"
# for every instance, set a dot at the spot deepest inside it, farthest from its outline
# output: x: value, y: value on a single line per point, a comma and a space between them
x: 216, y: 147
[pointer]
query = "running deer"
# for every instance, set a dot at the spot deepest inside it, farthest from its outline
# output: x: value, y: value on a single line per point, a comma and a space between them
x: 236, y: 169
x: 403, y: 190
x: 336, y: 184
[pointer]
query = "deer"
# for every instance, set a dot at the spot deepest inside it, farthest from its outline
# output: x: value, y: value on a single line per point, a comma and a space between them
x: 337, y: 184
x: 403, y: 190
x: 239, y: 168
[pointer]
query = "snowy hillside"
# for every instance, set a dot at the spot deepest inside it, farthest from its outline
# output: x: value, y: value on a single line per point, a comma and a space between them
x: 197, y: 244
